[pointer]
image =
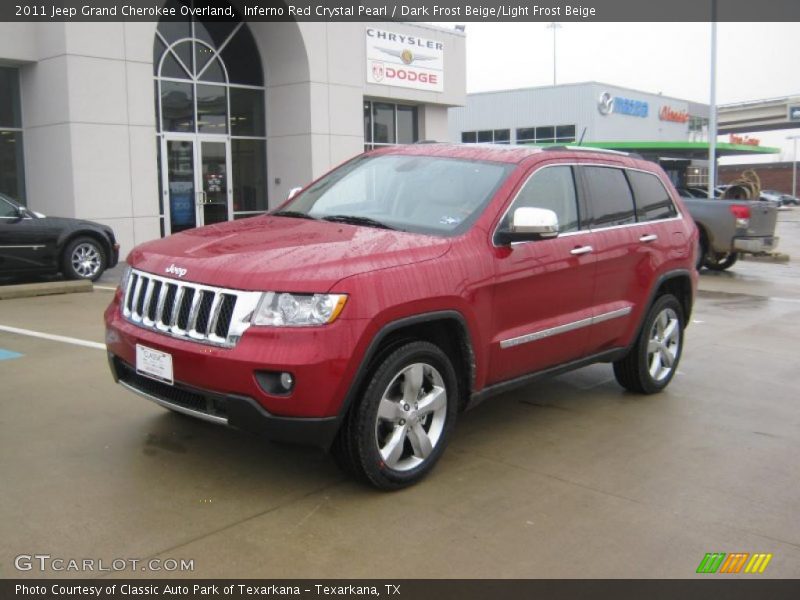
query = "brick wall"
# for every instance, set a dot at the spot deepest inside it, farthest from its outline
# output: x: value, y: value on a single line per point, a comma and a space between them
x: 774, y: 176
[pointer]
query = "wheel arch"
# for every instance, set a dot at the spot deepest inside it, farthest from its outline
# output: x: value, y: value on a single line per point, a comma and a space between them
x: 446, y: 329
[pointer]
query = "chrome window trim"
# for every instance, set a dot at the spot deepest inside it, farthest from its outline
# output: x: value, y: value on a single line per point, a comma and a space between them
x: 32, y: 247
x: 545, y: 333
x: 679, y: 217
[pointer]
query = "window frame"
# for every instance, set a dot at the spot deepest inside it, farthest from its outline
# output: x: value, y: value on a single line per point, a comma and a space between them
x: 371, y: 144
x: 664, y: 187
x: 584, y: 225
x: 592, y: 213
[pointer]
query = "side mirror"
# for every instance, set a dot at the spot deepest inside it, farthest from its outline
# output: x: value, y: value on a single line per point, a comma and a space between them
x: 528, y: 224
x: 293, y: 192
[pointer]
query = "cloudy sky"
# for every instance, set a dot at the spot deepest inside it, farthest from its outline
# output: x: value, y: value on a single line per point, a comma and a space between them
x: 755, y: 60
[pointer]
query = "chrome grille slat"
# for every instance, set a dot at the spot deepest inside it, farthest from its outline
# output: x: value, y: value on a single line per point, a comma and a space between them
x: 148, y: 297
x: 209, y: 315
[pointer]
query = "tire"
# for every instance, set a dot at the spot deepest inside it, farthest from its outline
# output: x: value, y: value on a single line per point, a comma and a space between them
x: 643, y: 369
x: 720, y: 261
x: 702, y: 250
x: 387, y: 440
x: 84, y: 258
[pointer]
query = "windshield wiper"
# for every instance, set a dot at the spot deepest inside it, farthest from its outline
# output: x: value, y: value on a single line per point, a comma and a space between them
x: 293, y: 214
x: 354, y: 220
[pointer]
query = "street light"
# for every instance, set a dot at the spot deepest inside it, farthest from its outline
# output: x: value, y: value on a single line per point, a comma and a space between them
x: 554, y: 27
x: 794, y: 138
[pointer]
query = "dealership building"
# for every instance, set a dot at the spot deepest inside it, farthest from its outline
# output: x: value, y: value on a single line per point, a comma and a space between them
x: 152, y: 128
x: 669, y: 130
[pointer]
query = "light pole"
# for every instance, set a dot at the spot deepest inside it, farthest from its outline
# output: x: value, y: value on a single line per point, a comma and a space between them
x: 554, y: 27
x: 712, y: 122
x: 794, y: 138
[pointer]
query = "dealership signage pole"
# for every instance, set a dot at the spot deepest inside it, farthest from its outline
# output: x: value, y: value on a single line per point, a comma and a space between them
x: 554, y: 27
x: 712, y: 124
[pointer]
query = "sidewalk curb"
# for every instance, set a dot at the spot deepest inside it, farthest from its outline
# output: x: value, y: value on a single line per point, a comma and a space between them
x: 29, y: 290
x: 777, y: 257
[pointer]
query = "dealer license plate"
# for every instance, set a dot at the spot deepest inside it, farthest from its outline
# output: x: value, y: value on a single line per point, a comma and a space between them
x: 154, y: 364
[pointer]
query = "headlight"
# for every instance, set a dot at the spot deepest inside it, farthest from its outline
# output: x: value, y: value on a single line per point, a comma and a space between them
x: 280, y: 309
x: 123, y: 280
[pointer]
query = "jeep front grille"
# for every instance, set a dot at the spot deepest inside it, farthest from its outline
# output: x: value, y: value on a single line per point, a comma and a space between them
x: 189, y: 311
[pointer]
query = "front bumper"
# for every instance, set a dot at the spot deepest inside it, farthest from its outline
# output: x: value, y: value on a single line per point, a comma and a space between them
x: 755, y: 245
x: 221, y: 385
x: 240, y: 412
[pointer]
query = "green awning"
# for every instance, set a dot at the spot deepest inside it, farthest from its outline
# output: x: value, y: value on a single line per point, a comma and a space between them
x: 683, y: 149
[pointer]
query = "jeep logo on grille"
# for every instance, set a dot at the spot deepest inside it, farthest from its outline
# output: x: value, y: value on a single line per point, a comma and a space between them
x: 173, y: 270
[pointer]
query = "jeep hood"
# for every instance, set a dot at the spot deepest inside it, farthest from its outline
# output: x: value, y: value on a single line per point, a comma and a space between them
x: 282, y: 254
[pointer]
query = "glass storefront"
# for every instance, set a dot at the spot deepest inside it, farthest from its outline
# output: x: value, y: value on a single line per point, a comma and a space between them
x: 386, y: 124
x: 12, y: 163
x: 211, y: 123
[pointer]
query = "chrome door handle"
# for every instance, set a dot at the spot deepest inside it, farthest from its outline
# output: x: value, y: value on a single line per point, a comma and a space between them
x: 581, y: 250
x: 652, y: 237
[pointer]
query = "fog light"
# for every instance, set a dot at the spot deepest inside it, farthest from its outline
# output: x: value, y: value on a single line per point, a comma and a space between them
x: 287, y: 381
x: 275, y: 383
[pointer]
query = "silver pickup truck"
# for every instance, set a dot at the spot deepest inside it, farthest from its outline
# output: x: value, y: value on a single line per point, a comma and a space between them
x: 731, y: 227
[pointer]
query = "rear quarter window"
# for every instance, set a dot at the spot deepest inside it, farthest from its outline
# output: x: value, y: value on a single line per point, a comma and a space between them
x: 652, y: 199
x: 609, y: 196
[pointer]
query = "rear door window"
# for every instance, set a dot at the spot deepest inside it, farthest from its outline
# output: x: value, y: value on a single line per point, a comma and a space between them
x: 653, y: 202
x: 609, y: 196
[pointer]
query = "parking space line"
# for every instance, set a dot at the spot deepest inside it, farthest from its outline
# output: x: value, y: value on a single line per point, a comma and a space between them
x: 55, y: 338
x: 105, y: 287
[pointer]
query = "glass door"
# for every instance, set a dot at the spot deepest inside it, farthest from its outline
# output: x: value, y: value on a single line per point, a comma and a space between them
x: 213, y: 185
x: 197, y: 187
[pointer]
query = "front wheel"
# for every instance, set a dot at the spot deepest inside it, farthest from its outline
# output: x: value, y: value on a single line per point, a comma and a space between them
x: 84, y: 258
x: 393, y: 437
x: 651, y: 363
x: 719, y: 261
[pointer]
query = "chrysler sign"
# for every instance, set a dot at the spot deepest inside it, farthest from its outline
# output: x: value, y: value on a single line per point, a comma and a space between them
x: 402, y: 60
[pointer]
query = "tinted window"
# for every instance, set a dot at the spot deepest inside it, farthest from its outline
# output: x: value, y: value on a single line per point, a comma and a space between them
x: 611, y: 199
x: 7, y: 209
x: 552, y: 188
x: 469, y: 137
x: 652, y: 199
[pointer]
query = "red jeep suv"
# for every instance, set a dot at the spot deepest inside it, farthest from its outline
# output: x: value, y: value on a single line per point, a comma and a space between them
x: 405, y: 286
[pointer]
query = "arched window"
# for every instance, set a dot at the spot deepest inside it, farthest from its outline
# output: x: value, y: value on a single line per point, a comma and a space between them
x: 209, y: 82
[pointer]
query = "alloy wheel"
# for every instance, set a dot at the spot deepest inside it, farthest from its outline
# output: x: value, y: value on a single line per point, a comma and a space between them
x: 664, y: 344
x: 411, y: 417
x: 86, y: 260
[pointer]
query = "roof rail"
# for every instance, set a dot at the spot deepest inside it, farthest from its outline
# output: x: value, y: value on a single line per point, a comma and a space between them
x: 591, y: 149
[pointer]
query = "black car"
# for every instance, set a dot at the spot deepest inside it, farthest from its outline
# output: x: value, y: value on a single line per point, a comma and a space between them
x: 33, y: 243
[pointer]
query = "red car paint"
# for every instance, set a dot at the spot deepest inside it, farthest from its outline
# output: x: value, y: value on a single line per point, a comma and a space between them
x: 499, y: 292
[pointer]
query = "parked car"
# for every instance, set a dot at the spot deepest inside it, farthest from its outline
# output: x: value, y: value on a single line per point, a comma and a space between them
x: 31, y: 243
x: 729, y: 228
x: 772, y: 196
x: 405, y: 286
x: 788, y: 199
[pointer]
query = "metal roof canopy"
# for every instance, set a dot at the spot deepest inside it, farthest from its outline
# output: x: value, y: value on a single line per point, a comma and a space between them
x: 683, y: 150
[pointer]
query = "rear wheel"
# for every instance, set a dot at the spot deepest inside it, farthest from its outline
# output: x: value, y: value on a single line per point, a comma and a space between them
x: 719, y: 261
x: 651, y: 363
x: 398, y: 430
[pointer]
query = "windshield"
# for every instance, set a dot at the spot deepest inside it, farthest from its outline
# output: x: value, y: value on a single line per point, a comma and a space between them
x: 420, y: 194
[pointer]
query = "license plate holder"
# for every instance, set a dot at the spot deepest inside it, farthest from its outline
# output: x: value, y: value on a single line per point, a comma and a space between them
x: 154, y: 364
